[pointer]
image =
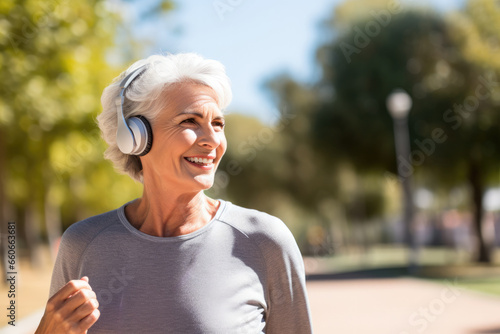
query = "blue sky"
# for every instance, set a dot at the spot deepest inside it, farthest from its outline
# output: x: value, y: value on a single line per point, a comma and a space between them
x: 254, y: 39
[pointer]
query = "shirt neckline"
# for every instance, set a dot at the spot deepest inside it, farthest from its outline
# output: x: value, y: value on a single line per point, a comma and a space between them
x: 123, y: 219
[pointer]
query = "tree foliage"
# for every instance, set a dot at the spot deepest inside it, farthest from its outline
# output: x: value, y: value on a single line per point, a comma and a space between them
x: 454, y: 121
x: 54, y: 66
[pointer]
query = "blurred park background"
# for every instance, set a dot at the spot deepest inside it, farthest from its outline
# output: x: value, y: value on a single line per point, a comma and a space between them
x: 312, y: 140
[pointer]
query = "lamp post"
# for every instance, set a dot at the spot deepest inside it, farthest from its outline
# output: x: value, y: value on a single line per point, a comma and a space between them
x: 399, y: 104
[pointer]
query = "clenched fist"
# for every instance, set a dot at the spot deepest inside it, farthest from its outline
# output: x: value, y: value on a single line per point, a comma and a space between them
x: 72, y: 310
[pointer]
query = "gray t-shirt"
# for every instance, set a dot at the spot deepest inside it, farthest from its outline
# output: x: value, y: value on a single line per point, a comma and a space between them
x: 240, y: 273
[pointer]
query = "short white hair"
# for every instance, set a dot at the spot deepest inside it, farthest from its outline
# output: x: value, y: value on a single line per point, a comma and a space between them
x: 143, y: 97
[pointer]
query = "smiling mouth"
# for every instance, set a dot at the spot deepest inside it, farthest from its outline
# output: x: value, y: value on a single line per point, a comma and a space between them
x: 203, y: 163
x: 200, y: 161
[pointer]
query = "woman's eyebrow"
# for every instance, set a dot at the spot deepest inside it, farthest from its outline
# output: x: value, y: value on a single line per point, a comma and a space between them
x: 200, y: 115
x: 197, y: 114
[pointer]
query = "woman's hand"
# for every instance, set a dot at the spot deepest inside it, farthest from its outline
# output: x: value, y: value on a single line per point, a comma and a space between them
x: 71, y: 310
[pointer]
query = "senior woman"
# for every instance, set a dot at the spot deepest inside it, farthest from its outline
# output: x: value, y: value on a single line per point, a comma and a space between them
x: 174, y: 260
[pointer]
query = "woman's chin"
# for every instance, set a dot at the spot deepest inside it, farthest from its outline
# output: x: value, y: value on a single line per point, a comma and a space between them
x: 204, y: 181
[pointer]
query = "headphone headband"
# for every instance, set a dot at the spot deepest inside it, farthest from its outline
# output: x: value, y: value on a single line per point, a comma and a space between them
x: 130, y: 77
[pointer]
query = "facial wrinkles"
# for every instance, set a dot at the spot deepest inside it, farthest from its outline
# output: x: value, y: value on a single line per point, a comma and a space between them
x: 197, y: 126
x: 184, y: 99
x: 205, y: 105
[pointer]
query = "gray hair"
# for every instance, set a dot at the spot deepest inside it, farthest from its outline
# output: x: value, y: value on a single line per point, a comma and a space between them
x: 143, y: 97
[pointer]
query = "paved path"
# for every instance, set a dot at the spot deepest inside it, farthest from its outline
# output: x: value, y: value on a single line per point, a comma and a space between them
x: 384, y: 306
x: 400, y: 306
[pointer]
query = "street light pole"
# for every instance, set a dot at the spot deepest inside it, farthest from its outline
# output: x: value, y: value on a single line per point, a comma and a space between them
x: 399, y: 105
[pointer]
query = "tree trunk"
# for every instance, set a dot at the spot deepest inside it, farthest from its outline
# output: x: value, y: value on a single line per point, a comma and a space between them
x: 483, y: 250
x: 3, y: 215
x: 32, y: 234
x: 53, y: 225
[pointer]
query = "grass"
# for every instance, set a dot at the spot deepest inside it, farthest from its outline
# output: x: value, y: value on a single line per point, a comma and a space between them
x: 380, y: 256
x: 490, y: 286
x: 436, y: 264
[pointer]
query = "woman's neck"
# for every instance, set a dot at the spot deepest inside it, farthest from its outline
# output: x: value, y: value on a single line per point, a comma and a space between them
x: 170, y: 214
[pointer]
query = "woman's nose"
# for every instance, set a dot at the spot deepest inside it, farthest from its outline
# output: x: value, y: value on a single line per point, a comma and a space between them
x: 208, y: 137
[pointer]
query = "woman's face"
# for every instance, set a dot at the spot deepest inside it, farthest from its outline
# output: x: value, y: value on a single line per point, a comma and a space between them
x: 188, y: 139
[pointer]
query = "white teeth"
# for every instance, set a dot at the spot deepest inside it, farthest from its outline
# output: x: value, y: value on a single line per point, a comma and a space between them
x: 201, y: 160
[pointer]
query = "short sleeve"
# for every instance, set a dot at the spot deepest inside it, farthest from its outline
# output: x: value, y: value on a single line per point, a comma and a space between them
x: 288, y: 308
x: 66, y: 267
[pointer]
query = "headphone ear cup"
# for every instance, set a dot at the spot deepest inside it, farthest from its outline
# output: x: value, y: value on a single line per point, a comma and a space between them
x: 149, y: 132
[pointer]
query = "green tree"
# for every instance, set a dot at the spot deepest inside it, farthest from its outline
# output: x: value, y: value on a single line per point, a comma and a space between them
x: 454, y: 122
x: 54, y: 66
x: 53, y: 57
x: 321, y: 185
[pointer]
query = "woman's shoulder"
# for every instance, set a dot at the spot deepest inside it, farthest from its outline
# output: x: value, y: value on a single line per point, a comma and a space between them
x: 87, y: 229
x: 260, y: 226
x: 78, y: 236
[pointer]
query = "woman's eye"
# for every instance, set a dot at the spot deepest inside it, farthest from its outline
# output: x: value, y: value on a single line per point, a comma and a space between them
x: 189, y: 120
x: 219, y: 124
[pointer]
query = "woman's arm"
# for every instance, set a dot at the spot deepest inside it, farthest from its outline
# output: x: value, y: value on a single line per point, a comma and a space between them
x: 288, y: 309
x: 72, y: 306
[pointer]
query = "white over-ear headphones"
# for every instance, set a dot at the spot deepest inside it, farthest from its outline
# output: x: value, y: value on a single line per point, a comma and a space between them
x: 134, y: 135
